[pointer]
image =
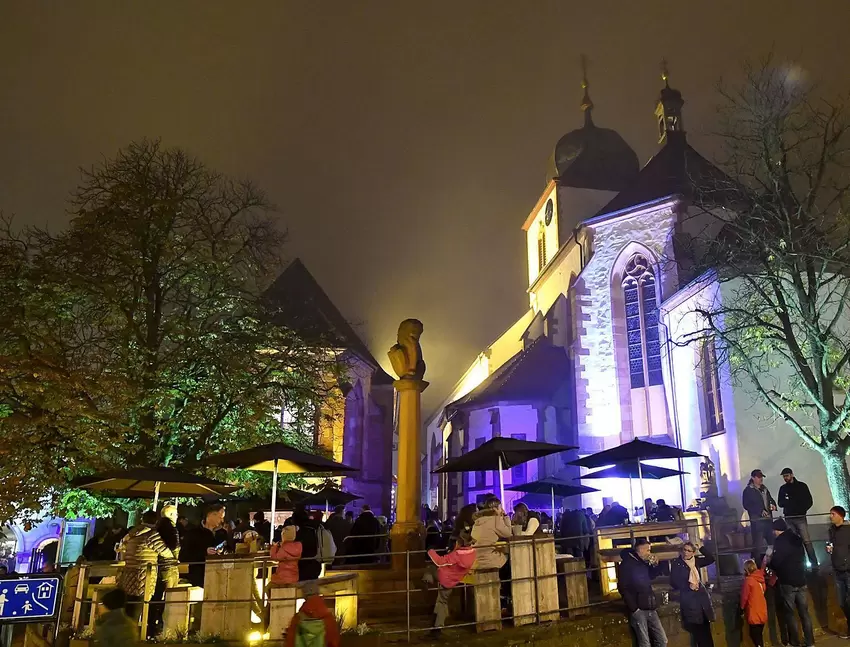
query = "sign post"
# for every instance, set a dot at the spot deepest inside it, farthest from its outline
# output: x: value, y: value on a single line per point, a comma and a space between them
x: 33, y: 598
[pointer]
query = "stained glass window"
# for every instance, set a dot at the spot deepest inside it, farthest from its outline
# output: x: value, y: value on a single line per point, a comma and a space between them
x: 642, y: 323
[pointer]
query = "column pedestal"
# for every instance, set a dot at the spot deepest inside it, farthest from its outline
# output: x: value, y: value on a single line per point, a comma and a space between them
x: 408, y: 532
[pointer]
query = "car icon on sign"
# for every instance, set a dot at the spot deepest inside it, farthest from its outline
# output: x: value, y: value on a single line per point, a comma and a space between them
x: 22, y: 588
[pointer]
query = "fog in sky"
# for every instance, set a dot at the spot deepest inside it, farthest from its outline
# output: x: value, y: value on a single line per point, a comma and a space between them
x: 404, y: 143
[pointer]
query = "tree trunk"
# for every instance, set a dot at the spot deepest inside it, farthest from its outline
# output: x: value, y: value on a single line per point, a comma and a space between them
x: 838, y: 477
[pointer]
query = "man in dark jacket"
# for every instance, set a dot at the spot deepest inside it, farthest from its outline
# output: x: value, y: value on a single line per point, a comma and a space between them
x: 663, y: 512
x: 760, y: 505
x: 574, y: 533
x: 201, y: 541
x: 795, y: 501
x: 788, y: 561
x: 339, y: 527
x: 263, y: 527
x: 839, y: 551
x: 634, y: 581
x: 364, y: 540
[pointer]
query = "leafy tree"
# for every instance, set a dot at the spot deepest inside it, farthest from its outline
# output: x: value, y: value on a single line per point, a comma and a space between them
x: 777, y: 239
x: 139, y: 336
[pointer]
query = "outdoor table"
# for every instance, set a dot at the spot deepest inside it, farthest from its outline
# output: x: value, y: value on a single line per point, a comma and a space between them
x: 609, y: 555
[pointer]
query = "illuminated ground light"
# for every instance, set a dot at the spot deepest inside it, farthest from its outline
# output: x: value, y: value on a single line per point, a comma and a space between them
x: 256, y: 637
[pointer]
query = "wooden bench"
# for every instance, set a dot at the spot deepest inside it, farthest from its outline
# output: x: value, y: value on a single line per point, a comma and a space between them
x: 342, y: 589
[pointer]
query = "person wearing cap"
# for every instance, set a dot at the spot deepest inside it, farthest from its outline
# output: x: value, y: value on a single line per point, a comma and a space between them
x: 795, y: 501
x: 760, y: 505
x: 838, y: 548
x: 788, y: 561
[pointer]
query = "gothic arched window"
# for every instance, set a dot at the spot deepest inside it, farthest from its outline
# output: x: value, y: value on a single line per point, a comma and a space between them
x: 642, y: 323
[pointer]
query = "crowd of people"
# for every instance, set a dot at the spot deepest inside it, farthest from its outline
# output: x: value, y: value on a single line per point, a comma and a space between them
x: 153, y: 549
x: 782, y: 551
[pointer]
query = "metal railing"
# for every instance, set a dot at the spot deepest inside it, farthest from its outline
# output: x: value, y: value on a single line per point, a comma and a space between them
x: 415, y: 622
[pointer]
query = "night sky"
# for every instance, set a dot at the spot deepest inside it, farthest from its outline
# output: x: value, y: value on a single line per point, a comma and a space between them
x: 404, y: 143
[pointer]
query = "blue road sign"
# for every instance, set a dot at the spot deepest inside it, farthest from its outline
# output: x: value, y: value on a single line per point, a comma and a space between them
x: 30, y: 599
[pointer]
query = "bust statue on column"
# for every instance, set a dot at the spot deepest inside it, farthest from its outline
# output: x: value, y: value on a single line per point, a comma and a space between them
x: 406, y: 359
x: 406, y: 355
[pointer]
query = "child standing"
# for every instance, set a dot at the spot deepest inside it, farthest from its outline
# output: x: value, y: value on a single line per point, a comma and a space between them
x: 314, y: 625
x: 451, y: 569
x: 287, y: 551
x: 753, y: 601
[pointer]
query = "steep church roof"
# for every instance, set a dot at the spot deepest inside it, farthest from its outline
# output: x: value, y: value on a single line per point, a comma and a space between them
x: 677, y: 169
x: 532, y: 375
x: 299, y: 302
x: 591, y: 157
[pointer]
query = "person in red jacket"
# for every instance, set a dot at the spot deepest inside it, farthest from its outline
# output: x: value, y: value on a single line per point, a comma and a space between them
x: 314, y: 608
x: 753, y: 601
x: 287, y: 551
x: 451, y: 569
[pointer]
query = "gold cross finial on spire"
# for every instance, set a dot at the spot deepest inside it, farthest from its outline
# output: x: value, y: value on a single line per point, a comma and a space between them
x: 664, y: 73
x: 583, y: 72
x: 586, y: 103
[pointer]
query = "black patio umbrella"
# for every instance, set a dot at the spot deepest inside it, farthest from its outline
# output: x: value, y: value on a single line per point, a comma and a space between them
x: 137, y: 482
x: 277, y: 458
x: 636, y: 450
x: 631, y: 471
x: 499, y: 454
x: 328, y: 495
x: 633, y: 453
x: 552, y: 486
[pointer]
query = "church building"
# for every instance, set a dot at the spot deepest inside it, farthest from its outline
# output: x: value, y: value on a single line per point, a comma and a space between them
x: 354, y: 423
x: 593, y: 362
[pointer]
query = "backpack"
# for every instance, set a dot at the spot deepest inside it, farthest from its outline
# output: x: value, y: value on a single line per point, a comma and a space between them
x: 326, y: 546
x: 309, y: 632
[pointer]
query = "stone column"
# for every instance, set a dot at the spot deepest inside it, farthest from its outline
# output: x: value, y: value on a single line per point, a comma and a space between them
x: 408, y: 530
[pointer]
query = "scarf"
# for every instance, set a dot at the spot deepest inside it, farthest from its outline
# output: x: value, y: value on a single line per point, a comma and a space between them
x: 693, y: 576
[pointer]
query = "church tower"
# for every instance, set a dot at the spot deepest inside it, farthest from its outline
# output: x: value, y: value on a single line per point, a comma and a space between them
x: 587, y: 168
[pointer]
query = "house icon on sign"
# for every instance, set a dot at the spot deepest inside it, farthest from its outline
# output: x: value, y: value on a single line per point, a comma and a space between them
x: 44, y: 591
